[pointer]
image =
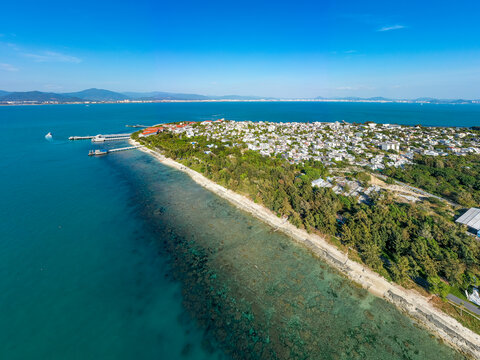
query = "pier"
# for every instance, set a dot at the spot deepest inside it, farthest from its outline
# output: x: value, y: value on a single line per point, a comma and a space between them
x: 102, y: 138
x: 80, y: 137
x: 125, y: 148
x: 105, y: 152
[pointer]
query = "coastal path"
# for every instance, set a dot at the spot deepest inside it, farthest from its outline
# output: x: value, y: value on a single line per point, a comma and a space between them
x: 467, y: 305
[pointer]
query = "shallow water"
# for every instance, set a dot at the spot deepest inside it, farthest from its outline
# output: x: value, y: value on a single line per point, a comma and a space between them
x: 120, y: 257
x: 259, y: 293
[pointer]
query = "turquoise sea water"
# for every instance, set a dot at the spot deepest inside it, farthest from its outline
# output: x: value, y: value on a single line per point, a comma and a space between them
x: 119, y: 257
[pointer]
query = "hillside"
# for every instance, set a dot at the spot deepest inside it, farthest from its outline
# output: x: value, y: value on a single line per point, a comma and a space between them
x: 102, y: 95
x: 160, y: 95
x: 38, y: 96
x: 98, y: 95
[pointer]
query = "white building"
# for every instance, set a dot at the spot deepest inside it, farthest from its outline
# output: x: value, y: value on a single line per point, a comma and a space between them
x: 385, y: 146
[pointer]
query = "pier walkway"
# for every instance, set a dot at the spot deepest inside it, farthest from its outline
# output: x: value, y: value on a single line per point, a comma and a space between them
x: 100, y: 136
x: 98, y: 152
x: 103, y: 139
x: 126, y: 148
x: 80, y: 137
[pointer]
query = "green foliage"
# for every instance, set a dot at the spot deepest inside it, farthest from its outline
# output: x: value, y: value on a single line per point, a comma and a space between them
x: 363, y: 177
x: 437, y: 286
x: 454, y: 177
x: 390, y: 181
x: 314, y: 170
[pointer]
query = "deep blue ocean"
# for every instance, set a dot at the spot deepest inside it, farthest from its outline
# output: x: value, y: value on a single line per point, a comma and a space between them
x: 119, y: 257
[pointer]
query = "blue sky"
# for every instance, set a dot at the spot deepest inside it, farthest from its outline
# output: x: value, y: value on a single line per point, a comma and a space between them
x: 267, y: 48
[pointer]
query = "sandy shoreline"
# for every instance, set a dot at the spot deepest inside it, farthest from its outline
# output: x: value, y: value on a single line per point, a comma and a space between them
x: 409, y: 301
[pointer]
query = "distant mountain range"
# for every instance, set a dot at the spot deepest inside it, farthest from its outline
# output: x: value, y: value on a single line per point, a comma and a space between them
x: 101, y: 95
x: 159, y: 95
x: 98, y: 95
x: 37, y: 96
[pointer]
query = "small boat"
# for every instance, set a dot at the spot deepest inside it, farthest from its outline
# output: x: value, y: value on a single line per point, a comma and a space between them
x: 97, y: 152
x: 48, y: 136
x: 98, y: 138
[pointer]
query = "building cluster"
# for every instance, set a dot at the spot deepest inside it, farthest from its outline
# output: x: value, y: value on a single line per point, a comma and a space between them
x: 367, y: 145
x: 341, y: 185
x: 175, y: 128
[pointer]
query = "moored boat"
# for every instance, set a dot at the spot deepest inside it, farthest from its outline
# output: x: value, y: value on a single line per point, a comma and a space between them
x: 97, y: 152
x: 98, y: 138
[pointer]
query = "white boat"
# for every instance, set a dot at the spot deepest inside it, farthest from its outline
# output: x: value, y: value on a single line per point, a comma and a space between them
x: 48, y: 136
x: 98, y: 138
x: 97, y: 152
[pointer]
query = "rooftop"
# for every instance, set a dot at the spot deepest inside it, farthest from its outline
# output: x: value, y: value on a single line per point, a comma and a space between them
x: 471, y: 218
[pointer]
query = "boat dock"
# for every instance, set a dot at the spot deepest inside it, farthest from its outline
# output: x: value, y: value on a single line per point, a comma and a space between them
x: 125, y: 148
x: 80, y: 137
x: 105, y: 152
x: 101, y: 138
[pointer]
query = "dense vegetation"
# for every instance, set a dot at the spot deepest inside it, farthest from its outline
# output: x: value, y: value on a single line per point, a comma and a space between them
x: 400, y: 241
x: 454, y: 177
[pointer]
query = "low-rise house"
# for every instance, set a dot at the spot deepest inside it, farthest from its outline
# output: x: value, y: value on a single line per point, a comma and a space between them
x: 472, y: 219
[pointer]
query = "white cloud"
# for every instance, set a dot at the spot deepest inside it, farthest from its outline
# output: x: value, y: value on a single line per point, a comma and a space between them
x: 51, y: 56
x: 7, y: 67
x: 350, y: 51
x: 392, y: 27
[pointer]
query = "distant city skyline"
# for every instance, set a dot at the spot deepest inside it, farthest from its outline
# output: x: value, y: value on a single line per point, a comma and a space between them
x: 268, y: 49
